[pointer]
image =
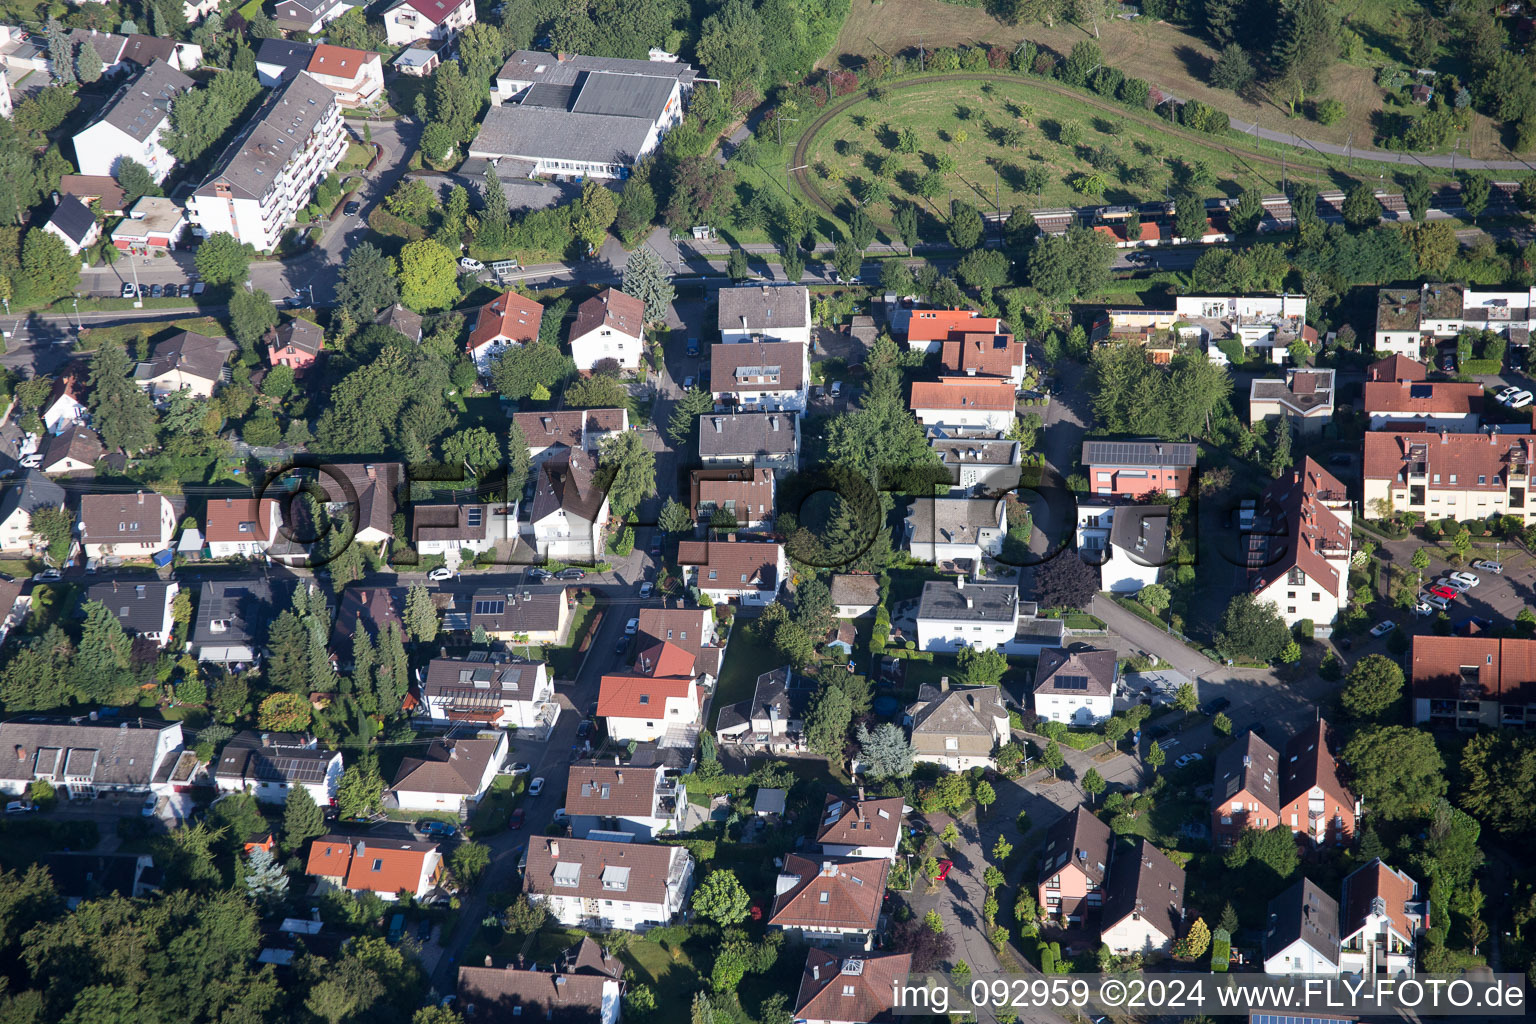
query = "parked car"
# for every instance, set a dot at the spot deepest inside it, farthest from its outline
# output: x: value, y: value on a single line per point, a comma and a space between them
x: 198, y: 287
x: 516, y: 821
x: 688, y: 382
x: 396, y: 929
x: 19, y: 807
x: 1497, y: 568
x: 536, y: 786
x: 1444, y: 593
x: 424, y: 929
x: 1383, y: 628
x: 1504, y: 394
x: 150, y: 802
x: 944, y: 868
x: 1471, y: 579
x: 584, y: 729
x: 631, y: 627
x: 1451, y: 583
x: 440, y: 573
x: 127, y: 289
x: 47, y: 576
x: 837, y: 388
x: 570, y: 574
x: 1211, y: 707
x: 693, y: 346
x: 1187, y: 760
x: 351, y: 208
x: 516, y: 768
x: 1521, y: 400
x: 469, y: 265
x: 622, y: 647
x: 646, y: 588
x: 184, y: 290
x: 1435, y: 601
x: 536, y: 573
x: 436, y: 829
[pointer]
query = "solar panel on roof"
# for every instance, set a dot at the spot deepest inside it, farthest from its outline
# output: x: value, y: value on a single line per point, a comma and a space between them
x: 1070, y: 683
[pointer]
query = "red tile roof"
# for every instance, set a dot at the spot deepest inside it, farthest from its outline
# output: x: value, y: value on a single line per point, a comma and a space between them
x: 861, y: 988
x: 1376, y: 881
x: 1303, y: 531
x: 507, y: 316
x: 226, y: 514
x: 1474, y: 668
x: 834, y: 892
x: 963, y: 393
x: 731, y: 564
x: 375, y: 865
x: 624, y: 313
x: 339, y: 61
x: 939, y: 324
x: 665, y: 659
x: 1309, y: 763
x: 860, y: 822
x: 1394, y: 368
x: 997, y: 355
x: 648, y: 867
x: 1469, y: 456
x: 625, y: 695
x: 688, y: 628
x: 749, y: 491
x: 1413, y: 398
x: 612, y: 791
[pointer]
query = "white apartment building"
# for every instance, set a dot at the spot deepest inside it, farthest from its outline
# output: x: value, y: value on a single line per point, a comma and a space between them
x: 765, y: 313
x: 601, y: 885
x: 271, y: 169
x: 1129, y: 543
x: 1448, y: 476
x: 1408, y: 320
x: 437, y: 20
x: 1298, y: 546
x: 1076, y: 686
x: 1264, y: 325
x: 355, y: 76
x: 965, y: 404
x: 510, y: 693
x: 951, y: 615
x: 131, y: 125
x: 609, y: 325
x: 763, y: 376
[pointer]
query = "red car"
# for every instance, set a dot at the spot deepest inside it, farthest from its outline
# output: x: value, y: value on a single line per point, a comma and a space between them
x: 516, y: 820
x: 1445, y: 592
x: 944, y: 866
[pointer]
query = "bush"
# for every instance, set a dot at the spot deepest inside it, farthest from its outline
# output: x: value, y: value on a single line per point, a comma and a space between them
x: 1329, y: 112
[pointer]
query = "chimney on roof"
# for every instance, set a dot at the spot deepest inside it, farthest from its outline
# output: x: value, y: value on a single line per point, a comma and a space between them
x: 141, y: 497
x: 816, y: 972
x: 554, y: 850
x: 861, y: 794
x: 773, y: 423
x: 716, y: 421
x: 960, y: 583
x: 943, y: 684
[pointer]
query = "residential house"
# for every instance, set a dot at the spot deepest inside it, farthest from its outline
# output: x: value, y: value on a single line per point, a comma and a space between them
x: 1261, y: 327
x: 141, y: 606
x: 1383, y: 915
x: 609, y: 325
x: 1255, y: 788
x: 733, y: 570
x: 385, y: 867
x: 451, y: 776
x: 958, y: 727
x: 986, y: 616
x: 768, y: 440
x: 658, y: 699
x: 1301, y: 937
x: 109, y: 47
x: 450, y: 530
x: 407, y: 21
x: 64, y: 407
x: 31, y: 492
x: 417, y: 61
x: 976, y: 465
x: 23, y: 52
x: 372, y: 609
x: 1298, y: 545
x: 295, y: 343
x: 1444, y: 405
x: 854, y: 596
x: 365, y: 492
x: 986, y: 351
x: 605, y: 885
x: 550, y: 432
x: 764, y: 312
x: 78, y: 877
x: 506, y: 321
x: 1143, y: 901
x: 1448, y: 476
x: 964, y: 403
x: 692, y: 629
x: 1076, y: 685
x: 1157, y: 331
x: 153, y: 225
x: 279, y: 60
x: 858, y: 989
x: 1409, y: 321
x: 497, y: 994
x: 1074, y: 866
x: 94, y: 188
x: 831, y: 901
x: 493, y: 689
x: 640, y: 801
x: 860, y: 828
x: 142, y: 51
x: 134, y: 525
x: 1304, y: 398
x: 1135, y: 469
x: 233, y: 617
x: 132, y: 125
x: 1395, y: 369
x: 267, y: 174
x: 270, y: 765
x: 74, y: 224
x: 186, y: 361
x: 83, y: 757
x: 1473, y: 682
x: 308, y: 16
x: 1129, y: 543
x: 241, y: 527
x: 570, y: 511
x: 746, y: 495
x: 760, y: 376
x: 402, y: 321
x: 927, y: 330
x: 594, y: 117
x: 955, y: 531
x: 355, y: 76
x: 74, y: 451
x: 773, y: 721
x: 532, y: 615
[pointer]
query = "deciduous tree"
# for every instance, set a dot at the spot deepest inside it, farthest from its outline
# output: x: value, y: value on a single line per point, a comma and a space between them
x: 428, y: 276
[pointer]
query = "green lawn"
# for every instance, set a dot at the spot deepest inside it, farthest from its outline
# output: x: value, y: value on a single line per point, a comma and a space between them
x: 564, y: 661
x: 747, y: 656
x: 668, y: 969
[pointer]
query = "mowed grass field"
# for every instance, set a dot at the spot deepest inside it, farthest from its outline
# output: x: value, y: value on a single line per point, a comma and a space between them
x: 989, y: 174
x: 1170, y: 58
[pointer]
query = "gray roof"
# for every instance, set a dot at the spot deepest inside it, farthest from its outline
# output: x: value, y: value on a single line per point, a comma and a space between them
x: 245, y: 606
x: 962, y: 451
x: 1302, y: 391
x: 534, y: 133
x: 73, y: 218
x: 139, y: 107
x: 109, y: 45
x: 952, y: 520
x: 1250, y: 764
x: 758, y: 434
x: 568, y: 483
x: 1141, y: 530
x: 522, y: 64
x: 274, y: 757
x: 252, y: 163
x: 639, y: 96
x: 855, y: 589
x: 137, y: 601
x: 763, y: 307
x: 983, y: 602
x: 1138, y: 453
x: 1081, y: 838
x: 781, y: 694
x: 755, y: 366
x: 109, y: 753
x: 398, y: 318
x: 529, y: 609
x: 965, y: 710
x: 1143, y: 880
x: 190, y: 352
x: 291, y: 56
x: 302, y: 335
x: 32, y: 492
x: 1307, y: 913
x: 481, y: 682
x: 1088, y: 671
